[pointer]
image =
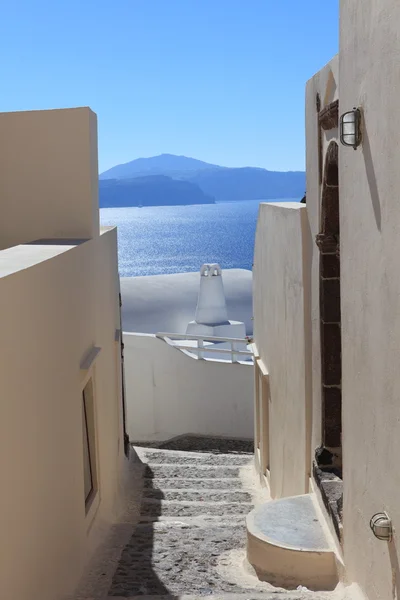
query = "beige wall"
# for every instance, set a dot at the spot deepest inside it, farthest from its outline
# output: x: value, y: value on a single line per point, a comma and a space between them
x: 369, y: 180
x: 326, y: 84
x: 50, y: 315
x: 370, y: 249
x: 281, y: 334
x: 48, y: 175
x: 169, y: 393
x: 57, y: 302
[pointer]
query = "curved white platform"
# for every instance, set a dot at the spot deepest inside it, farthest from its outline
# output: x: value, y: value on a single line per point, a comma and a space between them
x: 168, y: 302
x: 288, y: 547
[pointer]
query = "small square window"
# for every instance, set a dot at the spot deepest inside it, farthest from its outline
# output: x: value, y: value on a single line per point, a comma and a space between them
x: 89, y: 444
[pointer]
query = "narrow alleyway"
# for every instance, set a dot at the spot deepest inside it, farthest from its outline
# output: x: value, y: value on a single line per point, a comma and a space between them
x: 186, y: 534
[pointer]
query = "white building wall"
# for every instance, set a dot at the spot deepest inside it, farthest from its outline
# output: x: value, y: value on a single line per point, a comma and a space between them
x: 282, y: 337
x: 48, y: 175
x: 169, y: 393
x: 50, y: 316
x: 57, y: 301
x: 370, y: 279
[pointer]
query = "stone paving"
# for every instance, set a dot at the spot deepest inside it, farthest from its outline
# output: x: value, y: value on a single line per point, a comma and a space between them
x: 189, y: 539
x: 201, y: 471
x: 170, y: 557
x: 198, y: 495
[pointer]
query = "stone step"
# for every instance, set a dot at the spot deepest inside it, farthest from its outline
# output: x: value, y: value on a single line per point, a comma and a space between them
x: 202, y: 521
x: 190, y: 541
x: 193, y: 484
x: 177, y: 509
x: 186, y: 458
x: 288, y: 546
x: 296, y: 595
x: 195, y: 472
x: 200, y: 444
x: 188, y: 495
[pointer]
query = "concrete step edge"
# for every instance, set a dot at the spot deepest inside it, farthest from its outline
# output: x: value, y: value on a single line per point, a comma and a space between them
x: 194, y: 502
x: 198, y: 490
x: 195, y: 479
x: 289, y: 595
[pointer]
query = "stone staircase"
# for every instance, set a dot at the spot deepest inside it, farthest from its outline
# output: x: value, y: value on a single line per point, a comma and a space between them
x: 185, y: 536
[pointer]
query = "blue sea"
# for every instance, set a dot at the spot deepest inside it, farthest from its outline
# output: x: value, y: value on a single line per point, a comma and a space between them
x: 176, y: 239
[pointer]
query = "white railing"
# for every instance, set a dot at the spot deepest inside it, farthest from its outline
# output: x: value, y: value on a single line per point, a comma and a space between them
x: 200, y: 349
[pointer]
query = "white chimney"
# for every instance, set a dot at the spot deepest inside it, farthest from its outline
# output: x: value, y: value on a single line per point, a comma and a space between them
x: 211, y: 313
x: 211, y: 304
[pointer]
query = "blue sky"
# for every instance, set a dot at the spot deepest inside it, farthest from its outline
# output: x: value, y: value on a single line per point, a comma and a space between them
x: 218, y: 80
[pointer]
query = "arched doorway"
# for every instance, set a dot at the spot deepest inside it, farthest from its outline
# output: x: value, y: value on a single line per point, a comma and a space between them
x: 329, y: 457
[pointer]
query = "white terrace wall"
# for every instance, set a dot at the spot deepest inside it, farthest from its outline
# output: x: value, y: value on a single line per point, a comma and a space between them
x: 370, y: 250
x: 282, y: 338
x: 169, y: 394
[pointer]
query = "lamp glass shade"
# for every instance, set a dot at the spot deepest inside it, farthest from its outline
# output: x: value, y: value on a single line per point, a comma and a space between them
x: 349, y: 128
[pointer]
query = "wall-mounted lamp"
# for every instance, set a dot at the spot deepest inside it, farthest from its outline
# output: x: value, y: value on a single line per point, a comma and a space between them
x: 350, y: 128
x: 381, y: 526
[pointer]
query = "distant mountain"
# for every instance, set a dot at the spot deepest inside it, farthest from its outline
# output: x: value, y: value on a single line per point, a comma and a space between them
x: 222, y: 183
x: 157, y: 190
x: 165, y: 164
x: 250, y: 183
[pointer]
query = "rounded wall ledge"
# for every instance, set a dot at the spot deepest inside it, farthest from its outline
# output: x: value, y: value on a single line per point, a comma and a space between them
x: 287, y: 546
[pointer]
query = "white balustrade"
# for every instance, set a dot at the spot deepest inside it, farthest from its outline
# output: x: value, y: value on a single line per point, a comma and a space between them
x: 208, y: 345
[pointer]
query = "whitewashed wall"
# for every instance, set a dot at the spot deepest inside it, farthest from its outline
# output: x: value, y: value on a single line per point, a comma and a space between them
x: 57, y: 301
x: 282, y: 337
x: 169, y: 393
x: 48, y: 174
x: 370, y: 282
x: 51, y: 314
